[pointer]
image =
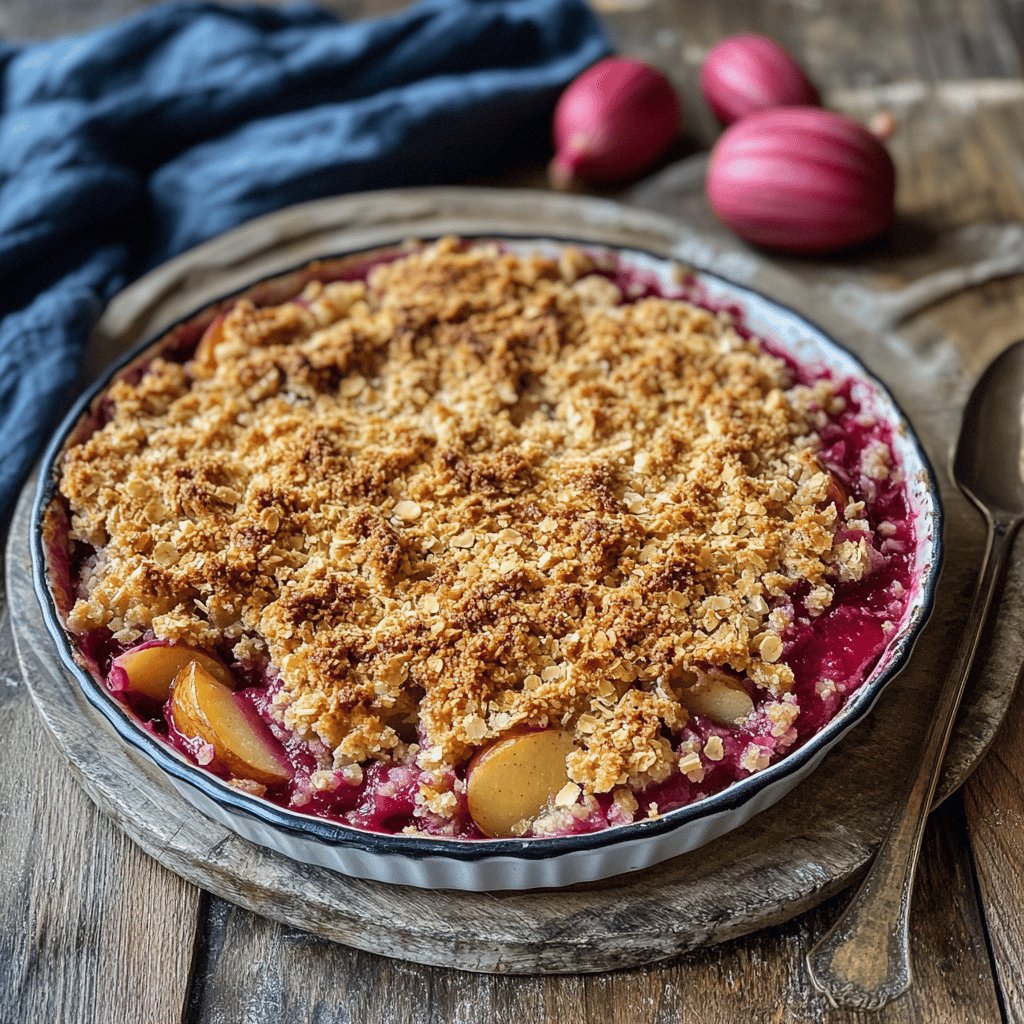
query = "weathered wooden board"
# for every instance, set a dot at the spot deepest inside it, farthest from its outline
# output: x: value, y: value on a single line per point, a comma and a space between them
x: 785, y: 861
x: 963, y: 54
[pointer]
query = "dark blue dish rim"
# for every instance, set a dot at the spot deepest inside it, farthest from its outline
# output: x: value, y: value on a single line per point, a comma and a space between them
x: 341, y: 835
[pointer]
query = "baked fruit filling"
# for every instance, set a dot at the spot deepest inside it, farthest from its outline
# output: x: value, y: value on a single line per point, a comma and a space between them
x: 482, y: 543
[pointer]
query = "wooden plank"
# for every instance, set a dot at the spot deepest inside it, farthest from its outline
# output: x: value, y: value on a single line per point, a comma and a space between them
x: 994, y: 795
x: 1011, y: 15
x: 761, y: 978
x: 35, y: 19
x: 747, y: 980
x: 842, y: 45
x: 953, y: 977
x: 90, y: 928
x: 959, y: 40
x: 994, y: 801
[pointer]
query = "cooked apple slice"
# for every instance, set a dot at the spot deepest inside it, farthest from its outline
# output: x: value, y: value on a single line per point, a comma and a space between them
x: 718, y: 697
x: 511, y: 779
x: 148, y: 671
x: 204, y: 707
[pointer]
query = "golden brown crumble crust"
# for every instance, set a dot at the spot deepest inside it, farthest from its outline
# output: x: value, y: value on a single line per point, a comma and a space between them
x: 475, y: 492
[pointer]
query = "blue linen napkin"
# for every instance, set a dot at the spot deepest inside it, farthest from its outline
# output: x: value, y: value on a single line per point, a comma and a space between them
x: 121, y: 147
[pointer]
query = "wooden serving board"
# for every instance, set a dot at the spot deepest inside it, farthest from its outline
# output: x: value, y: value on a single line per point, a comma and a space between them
x: 789, y: 858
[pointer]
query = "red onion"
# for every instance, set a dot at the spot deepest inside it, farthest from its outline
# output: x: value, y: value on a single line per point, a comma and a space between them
x: 801, y: 179
x: 743, y: 74
x: 613, y: 122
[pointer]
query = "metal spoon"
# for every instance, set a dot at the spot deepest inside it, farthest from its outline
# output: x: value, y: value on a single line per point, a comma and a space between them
x: 863, y: 962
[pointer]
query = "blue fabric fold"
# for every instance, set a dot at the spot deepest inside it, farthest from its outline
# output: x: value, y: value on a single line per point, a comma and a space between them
x: 124, y: 146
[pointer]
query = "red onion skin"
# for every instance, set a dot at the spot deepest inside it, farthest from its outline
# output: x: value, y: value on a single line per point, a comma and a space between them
x: 613, y: 122
x: 744, y: 74
x: 801, y: 180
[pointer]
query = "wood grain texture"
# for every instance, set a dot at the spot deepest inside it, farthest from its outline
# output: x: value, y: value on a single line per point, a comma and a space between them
x: 85, y: 916
x: 953, y: 173
x: 757, y: 979
x: 994, y: 802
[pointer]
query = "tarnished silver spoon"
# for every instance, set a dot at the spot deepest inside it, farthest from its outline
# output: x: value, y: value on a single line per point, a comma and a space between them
x: 863, y: 962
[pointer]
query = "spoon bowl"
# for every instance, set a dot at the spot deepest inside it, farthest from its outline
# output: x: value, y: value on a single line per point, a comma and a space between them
x: 989, y: 461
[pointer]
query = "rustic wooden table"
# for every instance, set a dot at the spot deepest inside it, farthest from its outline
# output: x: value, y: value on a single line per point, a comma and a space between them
x: 93, y: 930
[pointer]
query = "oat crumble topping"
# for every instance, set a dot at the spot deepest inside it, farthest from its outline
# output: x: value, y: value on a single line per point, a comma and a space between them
x: 477, y: 491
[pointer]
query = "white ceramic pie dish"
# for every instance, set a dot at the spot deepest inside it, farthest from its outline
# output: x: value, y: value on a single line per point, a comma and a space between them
x: 531, y: 863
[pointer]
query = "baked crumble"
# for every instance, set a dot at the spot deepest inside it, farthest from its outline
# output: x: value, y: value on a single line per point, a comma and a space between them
x: 475, y: 493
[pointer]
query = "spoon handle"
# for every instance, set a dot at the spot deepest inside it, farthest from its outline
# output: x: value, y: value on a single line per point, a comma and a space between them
x: 863, y: 962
